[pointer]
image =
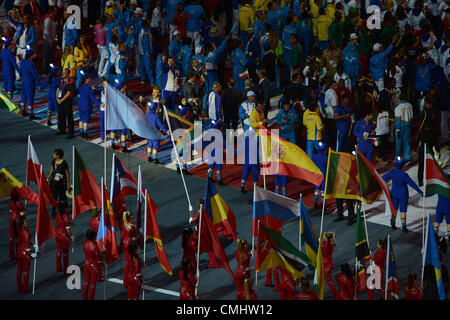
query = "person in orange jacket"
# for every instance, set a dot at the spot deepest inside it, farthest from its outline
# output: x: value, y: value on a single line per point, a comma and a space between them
x: 188, y: 281
x: 92, y: 265
x: 63, y: 238
x: 23, y: 256
x: 134, y: 274
x: 328, y: 245
x: 346, y: 283
x: 287, y: 284
x: 411, y: 291
x: 243, y: 257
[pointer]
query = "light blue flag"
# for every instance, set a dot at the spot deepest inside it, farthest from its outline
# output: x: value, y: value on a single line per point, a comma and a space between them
x: 123, y: 113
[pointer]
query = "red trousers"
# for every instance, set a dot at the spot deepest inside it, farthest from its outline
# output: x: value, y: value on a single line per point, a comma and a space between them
x: 62, y: 248
x: 329, y: 280
x: 133, y: 290
x: 90, y: 280
x: 286, y: 293
x: 187, y: 293
x: 23, y: 266
x: 125, y: 268
x: 13, y: 243
x: 269, y: 279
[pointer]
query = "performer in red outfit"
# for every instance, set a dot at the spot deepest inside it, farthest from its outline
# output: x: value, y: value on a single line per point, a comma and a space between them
x: 346, y: 283
x: 379, y: 258
x: 134, y: 274
x: 328, y: 245
x: 187, y: 280
x: 129, y: 236
x: 95, y: 220
x: 411, y: 290
x: 63, y: 238
x: 250, y: 294
x: 189, y: 245
x: 287, y: 284
x: 194, y: 220
x: 243, y: 268
x: 23, y: 256
x: 17, y: 212
x: 305, y: 293
x: 92, y: 265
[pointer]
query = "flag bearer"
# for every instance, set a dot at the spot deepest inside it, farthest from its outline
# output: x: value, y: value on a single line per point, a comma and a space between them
x: 187, y: 280
x: 328, y: 245
x: 243, y: 257
x: 17, y: 213
x: 134, y: 277
x: 379, y: 258
x: 24, y: 256
x: 155, y: 121
x: 400, y: 193
x: 287, y: 284
x: 346, y: 283
x: 129, y: 236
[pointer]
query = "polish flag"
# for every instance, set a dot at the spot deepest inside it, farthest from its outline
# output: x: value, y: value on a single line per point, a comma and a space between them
x: 33, y: 165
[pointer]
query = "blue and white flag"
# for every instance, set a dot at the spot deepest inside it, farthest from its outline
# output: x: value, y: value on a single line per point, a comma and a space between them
x: 123, y: 113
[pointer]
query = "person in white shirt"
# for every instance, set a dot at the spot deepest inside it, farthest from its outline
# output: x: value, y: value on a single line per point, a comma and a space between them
x: 331, y: 102
x: 382, y: 132
x: 340, y: 74
x: 403, y: 121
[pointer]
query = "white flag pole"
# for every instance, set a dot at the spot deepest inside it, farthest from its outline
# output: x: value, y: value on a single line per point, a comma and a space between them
x: 253, y: 238
x: 36, y: 247
x: 178, y: 158
x: 425, y: 252
x: 104, y: 139
x: 388, y: 260
x: 424, y: 190
x: 145, y: 237
x: 256, y: 272
x: 103, y: 234
x: 198, y: 246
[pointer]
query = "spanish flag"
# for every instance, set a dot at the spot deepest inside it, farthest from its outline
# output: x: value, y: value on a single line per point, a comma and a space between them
x: 9, y: 184
x: 152, y: 232
x: 219, y: 212
x: 279, y: 156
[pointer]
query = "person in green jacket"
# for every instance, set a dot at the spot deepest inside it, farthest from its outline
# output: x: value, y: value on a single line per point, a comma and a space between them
x: 389, y: 29
x: 337, y: 30
x: 296, y: 58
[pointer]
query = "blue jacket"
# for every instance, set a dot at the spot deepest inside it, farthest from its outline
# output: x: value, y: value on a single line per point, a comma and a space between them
x: 53, y: 85
x: 239, y: 62
x: 171, y: 7
x: 360, y: 127
x: 352, y: 64
x: 342, y: 110
x: 174, y: 48
x: 71, y: 37
x: 109, y: 27
x: 29, y: 74
x: 218, y: 53
x: 196, y: 14
x: 291, y: 117
x: 253, y: 49
x: 146, y: 42
x: 400, y: 182
x: 87, y: 98
x: 287, y: 32
x: 30, y: 35
x: 378, y: 63
x: 8, y: 62
x: 423, y: 77
x: 154, y: 119
x: 184, y: 58
x: 258, y: 29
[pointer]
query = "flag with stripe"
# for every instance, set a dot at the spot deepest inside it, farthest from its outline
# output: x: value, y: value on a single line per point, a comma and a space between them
x: 123, y: 183
x: 436, y: 181
x: 274, y: 250
x: 45, y: 230
x: 342, y: 177
x: 319, y: 274
x: 8, y: 183
x: 362, y: 253
x: 106, y: 235
x: 308, y: 235
x: 392, y: 279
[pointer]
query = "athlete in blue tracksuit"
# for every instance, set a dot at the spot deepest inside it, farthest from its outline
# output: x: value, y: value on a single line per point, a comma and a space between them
x: 153, y: 119
x: 286, y: 118
x: 8, y: 66
x: 215, y: 112
x: 169, y: 88
x: 175, y: 47
x: 239, y: 66
x: 400, y: 193
x: 184, y: 57
x: 158, y: 70
x: 343, y: 114
x: 321, y: 160
x: 352, y: 63
x: 30, y: 80
x: 87, y: 99
x: 443, y: 210
x: 364, y: 128
x: 53, y: 83
x: 378, y: 63
x: 145, y: 51
x: 212, y: 76
x: 288, y: 30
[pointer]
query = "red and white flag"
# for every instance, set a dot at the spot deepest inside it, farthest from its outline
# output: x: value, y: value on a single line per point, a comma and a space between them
x: 33, y: 165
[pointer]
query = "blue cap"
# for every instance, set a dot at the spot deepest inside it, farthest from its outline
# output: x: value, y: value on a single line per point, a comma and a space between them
x: 6, y: 41
x: 399, y: 163
x: 29, y: 52
x: 53, y: 68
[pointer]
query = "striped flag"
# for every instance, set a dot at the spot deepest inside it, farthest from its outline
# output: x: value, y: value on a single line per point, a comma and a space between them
x: 392, y: 279
x: 106, y: 235
x: 319, y: 274
x: 244, y: 74
x: 362, y: 253
x: 436, y: 182
x: 309, y: 237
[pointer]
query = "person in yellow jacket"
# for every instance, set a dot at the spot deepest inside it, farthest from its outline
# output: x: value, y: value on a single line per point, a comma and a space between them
x: 321, y: 29
x: 314, y: 127
x: 257, y: 118
x: 261, y: 5
x: 246, y: 20
x: 68, y: 61
x: 314, y: 5
x: 331, y: 10
x: 82, y: 55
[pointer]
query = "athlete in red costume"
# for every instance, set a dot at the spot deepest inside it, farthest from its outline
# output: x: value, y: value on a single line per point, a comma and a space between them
x: 187, y: 280
x: 129, y: 236
x: 346, y: 283
x: 17, y: 212
x: 328, y: 245
x: 379, y: 258
x: 92, y: 265
x: 23, y: 256
x: 411, y: 290
x: 95, y: 220
x: 134, y: 274
x: 287, y: 284
x: 305, y: 293
x: 63, y: 238
x: 243, y: 257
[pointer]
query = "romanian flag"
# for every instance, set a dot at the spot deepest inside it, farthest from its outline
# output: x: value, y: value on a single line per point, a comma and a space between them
x: 436, y: 182
x: 362, y: 253
x: 272, y: 209
x: 86, y: 191
x: 152, y: 232
x: 319, y: 274
x: 432, y: 258
x: 45, y: 229
x: 308, y: 235
x: 273, y: 250
x: 210, y: 242
x: 219, y: 212
x: 279, y: 156
x: 8, y: 183
x: 106, y: 235
x: 342, y: 177
x: 371, y: 184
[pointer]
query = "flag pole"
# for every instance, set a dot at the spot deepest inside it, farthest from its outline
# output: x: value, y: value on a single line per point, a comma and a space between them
x: 365, y: 226
x: 388, y: 259
x: 256, y: 272
x: 104, y: 137
x: 253, y: 221
x: 356, y: 278
x: 178, y: 158
x: 34, y: 269
x: 198, y: 246
x: 300, y: 225
x: 73, y: 197
x: 104, y: 249
x: 424, y: 252
x: 145, y: 238
x: 424, y: 190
